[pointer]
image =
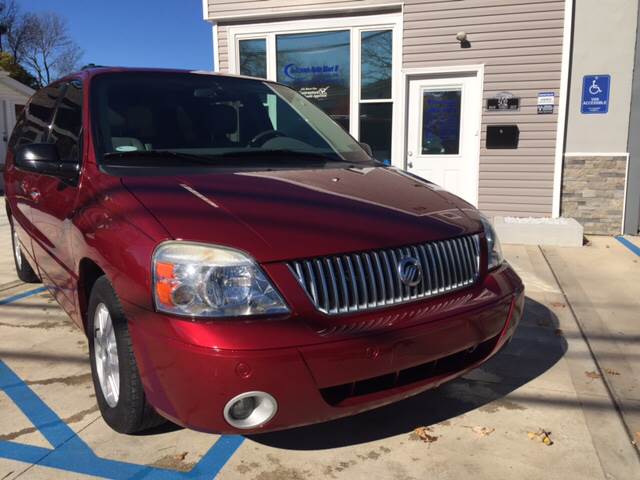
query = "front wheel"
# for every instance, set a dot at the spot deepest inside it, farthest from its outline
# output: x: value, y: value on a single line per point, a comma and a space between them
x: 23, y: 269
x: 116, y: 380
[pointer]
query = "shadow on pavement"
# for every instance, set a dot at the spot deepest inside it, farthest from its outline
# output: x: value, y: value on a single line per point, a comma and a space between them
x: 535, y: 348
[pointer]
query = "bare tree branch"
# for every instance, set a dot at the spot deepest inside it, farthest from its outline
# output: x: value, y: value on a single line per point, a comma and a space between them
x: 49, y: 52
x: 8, y: 15
x: 19, y: 35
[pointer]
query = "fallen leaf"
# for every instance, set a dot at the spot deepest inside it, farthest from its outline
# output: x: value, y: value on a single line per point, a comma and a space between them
x: 424, y: 434
x: 611, y: 371
x: 558, y: 331
x: 558, y: 304
x: 483, y: 431
x: 542, y: 436
x: 637, y: 440
x: 592, y: 375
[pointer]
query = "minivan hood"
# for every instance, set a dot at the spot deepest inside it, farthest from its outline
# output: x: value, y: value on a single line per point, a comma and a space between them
x: 287, y: 214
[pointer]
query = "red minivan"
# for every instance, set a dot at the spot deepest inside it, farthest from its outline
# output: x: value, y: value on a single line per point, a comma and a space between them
x: 238, y: 262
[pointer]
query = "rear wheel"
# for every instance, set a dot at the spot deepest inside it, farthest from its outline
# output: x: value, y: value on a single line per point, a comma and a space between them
x: 23, y: 269
x: 114, y: 370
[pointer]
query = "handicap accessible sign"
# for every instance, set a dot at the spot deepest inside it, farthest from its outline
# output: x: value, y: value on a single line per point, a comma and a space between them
x: 595, y: 94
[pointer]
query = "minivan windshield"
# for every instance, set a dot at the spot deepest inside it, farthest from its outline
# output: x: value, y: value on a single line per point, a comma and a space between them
x: 155, y: 119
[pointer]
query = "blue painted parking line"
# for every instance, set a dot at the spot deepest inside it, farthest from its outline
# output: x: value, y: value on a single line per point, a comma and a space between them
x: 20, y: 296
x: 70, y: 453
x: 630, y: 245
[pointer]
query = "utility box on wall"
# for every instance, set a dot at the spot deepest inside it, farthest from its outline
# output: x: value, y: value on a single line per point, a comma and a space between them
x: 502, y: 136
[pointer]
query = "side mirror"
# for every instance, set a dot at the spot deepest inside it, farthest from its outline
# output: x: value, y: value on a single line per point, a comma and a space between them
x: 367, y: 148
x: 43, y: 158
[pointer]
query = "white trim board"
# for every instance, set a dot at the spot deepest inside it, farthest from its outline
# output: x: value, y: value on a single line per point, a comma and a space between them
x: 563, y: 104
x: 596, y: 154
x: 314, y: 25
x: 624, y: 197
x: 216, y: 49
x: 205, y: 9
x: 309, y: 12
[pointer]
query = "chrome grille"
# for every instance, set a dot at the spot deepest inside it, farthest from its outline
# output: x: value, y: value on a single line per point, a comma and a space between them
x: 360, y: 281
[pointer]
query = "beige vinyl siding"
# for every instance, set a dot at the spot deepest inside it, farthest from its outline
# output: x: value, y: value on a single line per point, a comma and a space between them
x: 520, y: 44
x: 223, y: 49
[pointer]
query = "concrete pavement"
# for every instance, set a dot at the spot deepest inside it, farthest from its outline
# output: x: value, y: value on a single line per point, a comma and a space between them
x: 605, y: 298
x: 477, y: 426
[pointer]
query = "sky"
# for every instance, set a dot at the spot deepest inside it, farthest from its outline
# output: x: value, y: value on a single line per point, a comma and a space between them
x: 139, y: 33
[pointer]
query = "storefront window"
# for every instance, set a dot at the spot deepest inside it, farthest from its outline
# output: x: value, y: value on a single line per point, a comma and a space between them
x: 253, y: 57
x: 375, y: 129
x: 376, y: 65
x: 318, y: 66
x: 441, y: 122
x: 375, y: 92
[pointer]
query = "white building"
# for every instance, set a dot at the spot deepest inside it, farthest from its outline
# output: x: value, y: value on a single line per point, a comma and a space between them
x: 13, y: 96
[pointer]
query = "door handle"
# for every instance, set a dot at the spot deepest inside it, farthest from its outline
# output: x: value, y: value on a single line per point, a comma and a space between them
x: 35, y: 195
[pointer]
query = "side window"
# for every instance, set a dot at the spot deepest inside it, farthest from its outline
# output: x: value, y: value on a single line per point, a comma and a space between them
x: 34, y: 126
x: 67, y: 124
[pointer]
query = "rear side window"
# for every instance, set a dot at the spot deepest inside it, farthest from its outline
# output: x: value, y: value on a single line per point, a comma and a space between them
x: 67, y: 124
x: 33, y: 127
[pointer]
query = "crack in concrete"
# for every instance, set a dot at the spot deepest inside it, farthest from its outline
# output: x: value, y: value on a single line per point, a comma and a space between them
x: 72, y: 419
x: 69, y: 380
x: 39, y: 326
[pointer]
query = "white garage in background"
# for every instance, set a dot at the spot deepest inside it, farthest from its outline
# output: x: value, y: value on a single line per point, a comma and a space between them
x: 13, y: 96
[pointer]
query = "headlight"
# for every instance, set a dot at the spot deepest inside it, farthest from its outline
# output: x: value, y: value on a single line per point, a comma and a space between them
x: 206, y: 281
x: 493, y: 245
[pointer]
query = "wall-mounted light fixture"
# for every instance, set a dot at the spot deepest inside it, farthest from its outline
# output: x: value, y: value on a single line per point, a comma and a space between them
x: 462, y: 38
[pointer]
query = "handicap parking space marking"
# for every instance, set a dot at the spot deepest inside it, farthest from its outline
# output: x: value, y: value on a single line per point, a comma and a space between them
x: 70, y: 453
x: 629, y: 244
x: 20, y: 296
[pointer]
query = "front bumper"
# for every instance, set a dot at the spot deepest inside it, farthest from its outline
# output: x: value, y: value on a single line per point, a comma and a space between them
x: 334, y: 376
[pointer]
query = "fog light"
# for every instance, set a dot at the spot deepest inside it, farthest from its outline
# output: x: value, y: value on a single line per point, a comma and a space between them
x: 250, y: 410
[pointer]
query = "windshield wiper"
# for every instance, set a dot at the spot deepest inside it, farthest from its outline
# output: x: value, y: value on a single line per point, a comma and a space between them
x: 247, y: 157
x: 289, y: 155
x: 158, y: 154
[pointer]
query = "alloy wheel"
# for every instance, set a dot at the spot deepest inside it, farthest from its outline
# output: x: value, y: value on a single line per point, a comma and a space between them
x: 106, y: 355
x: 17, y: 252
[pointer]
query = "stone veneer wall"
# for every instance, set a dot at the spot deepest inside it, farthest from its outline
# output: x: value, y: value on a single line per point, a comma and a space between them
x: 593, y: 192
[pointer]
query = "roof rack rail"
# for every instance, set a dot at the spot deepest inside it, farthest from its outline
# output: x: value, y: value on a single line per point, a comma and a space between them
x: 91, y: 65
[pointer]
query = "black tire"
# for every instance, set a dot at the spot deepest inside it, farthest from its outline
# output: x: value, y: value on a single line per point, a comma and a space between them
x: 132, y: 413
x: 23, y: 268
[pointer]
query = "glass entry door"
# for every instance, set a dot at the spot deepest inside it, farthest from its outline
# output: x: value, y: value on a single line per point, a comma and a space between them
x: 443, y: 133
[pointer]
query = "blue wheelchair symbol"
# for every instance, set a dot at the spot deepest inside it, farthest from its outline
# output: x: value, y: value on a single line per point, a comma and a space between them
x: 594, y: 89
